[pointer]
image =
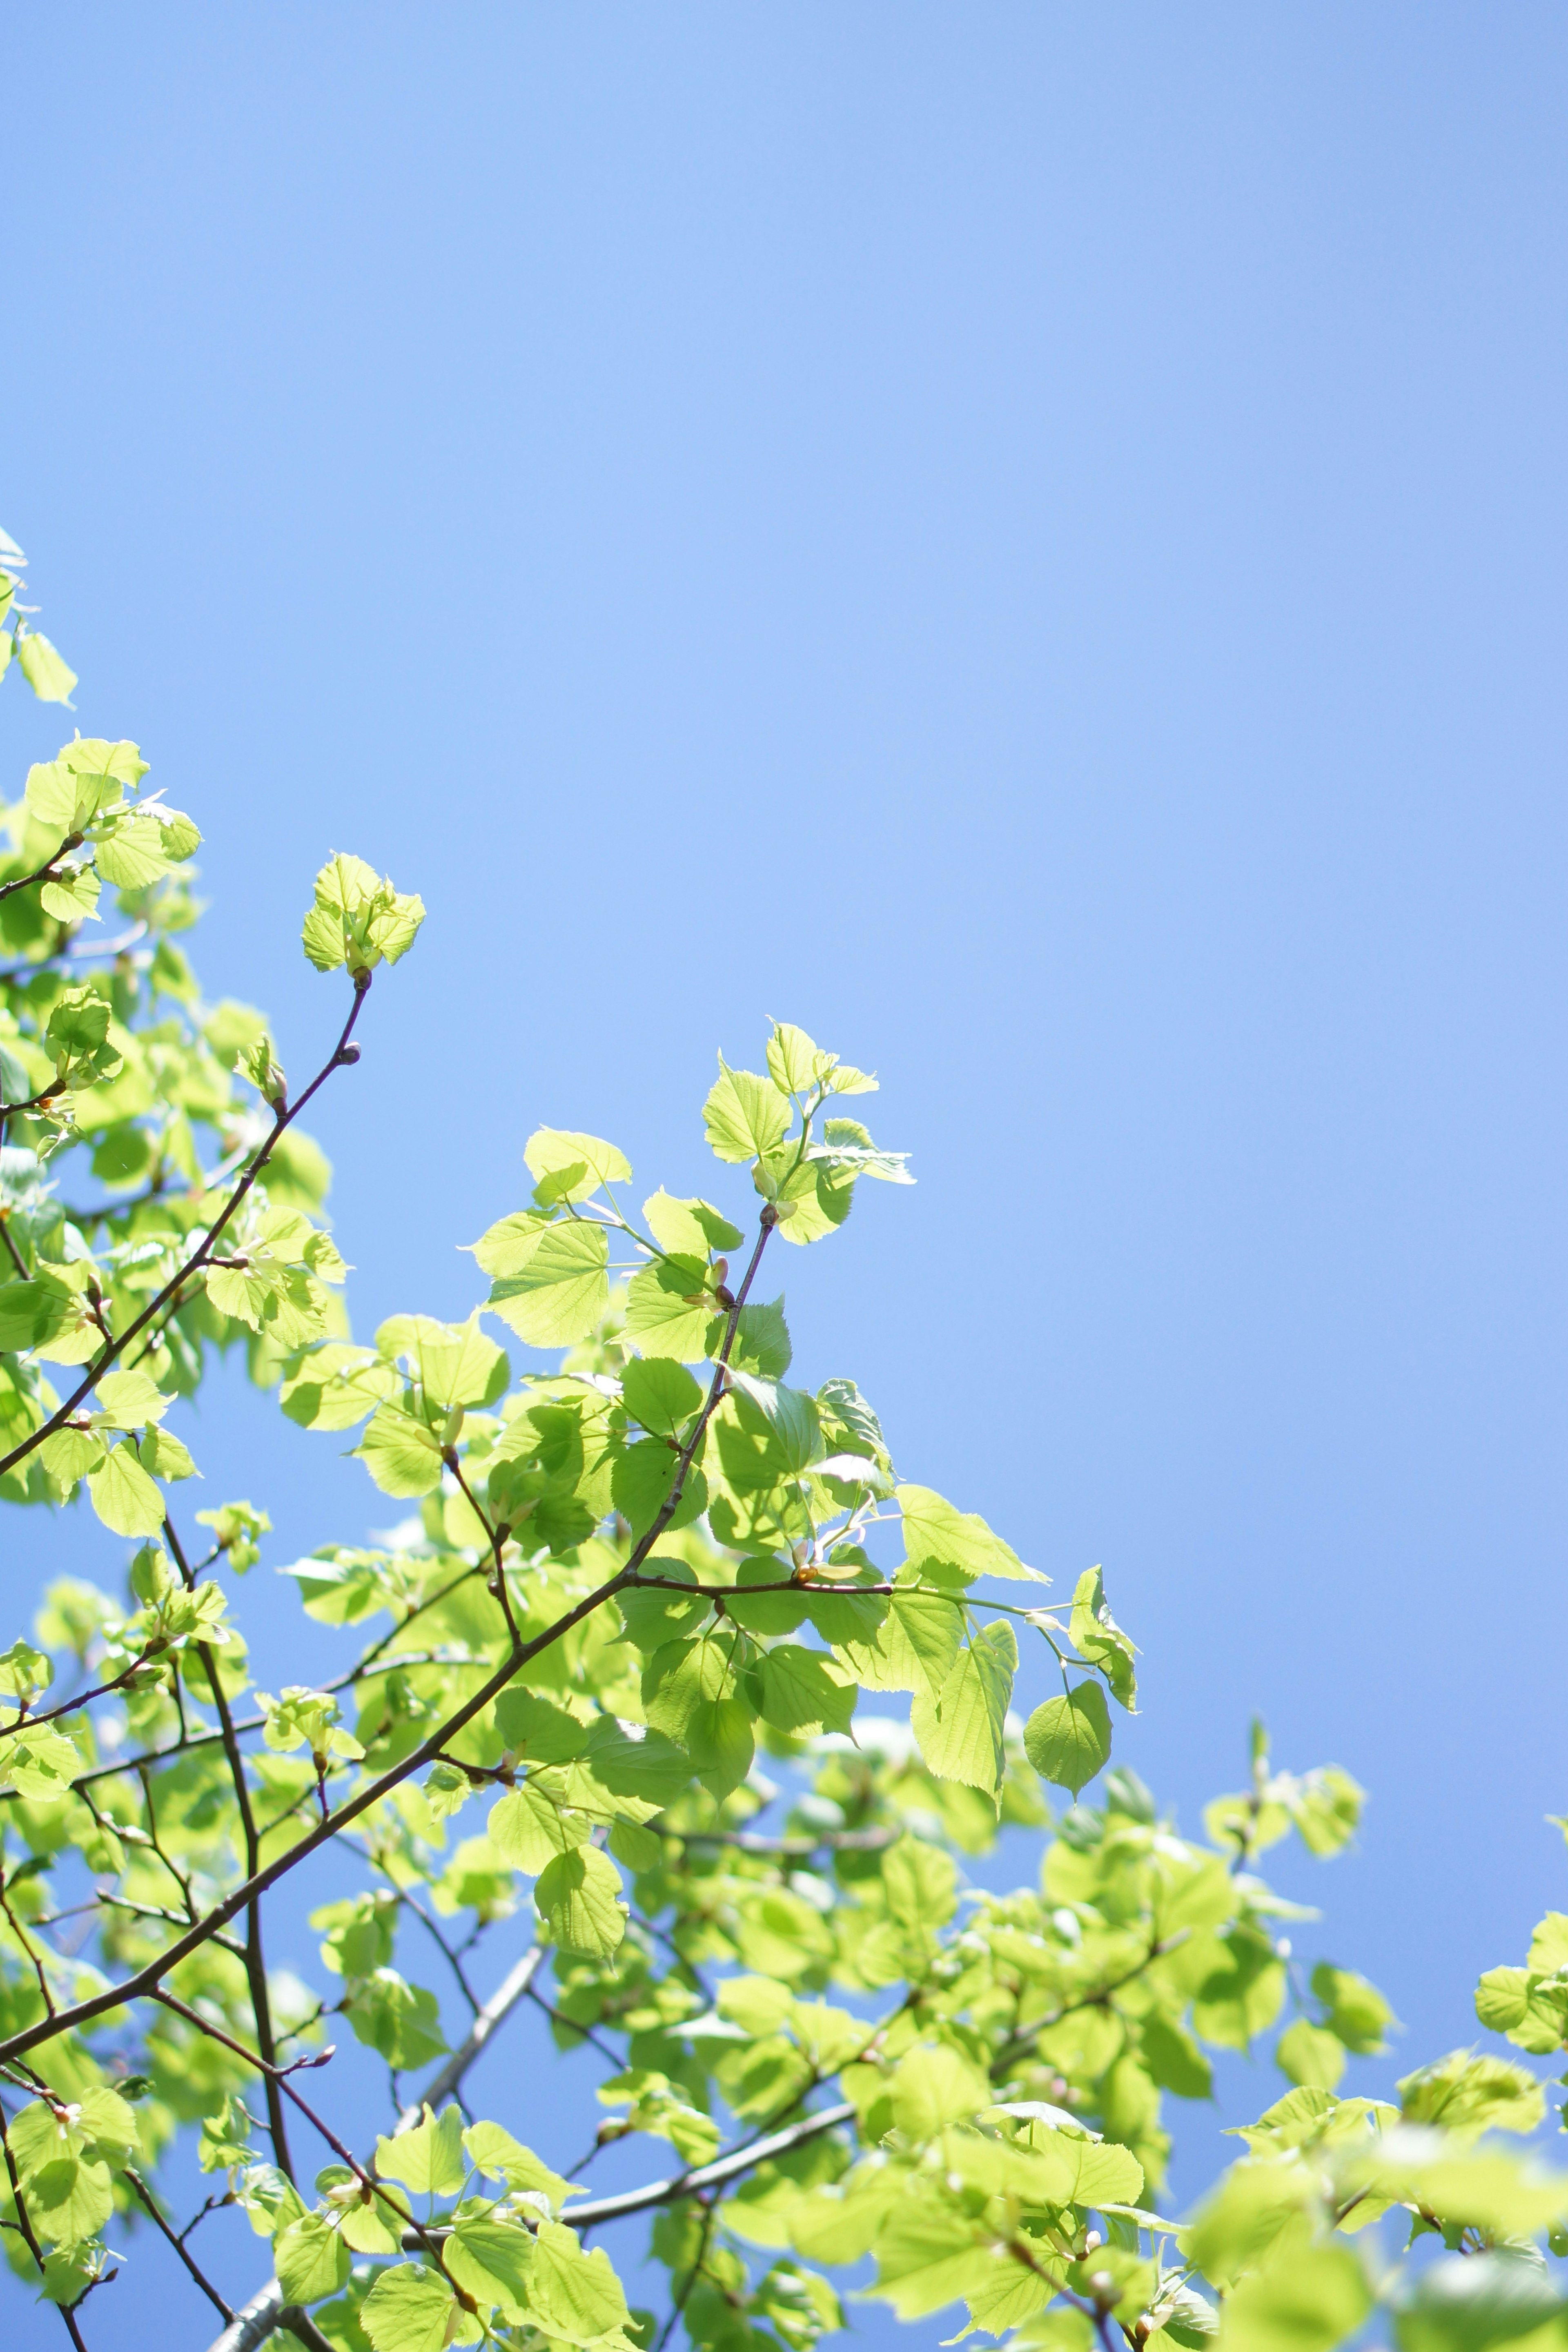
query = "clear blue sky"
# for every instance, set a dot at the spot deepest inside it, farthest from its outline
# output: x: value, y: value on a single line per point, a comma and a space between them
x: 1028, y: 540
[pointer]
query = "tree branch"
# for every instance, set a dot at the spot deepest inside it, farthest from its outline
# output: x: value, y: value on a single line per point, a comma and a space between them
x: 146, y: 1981
x: 255, y: 1959
x: 266, y: 2310
x: 283, y: 1117
x: 178, y: 2244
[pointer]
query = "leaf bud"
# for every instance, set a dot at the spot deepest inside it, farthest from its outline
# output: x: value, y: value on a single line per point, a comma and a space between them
x: 452, y: 1428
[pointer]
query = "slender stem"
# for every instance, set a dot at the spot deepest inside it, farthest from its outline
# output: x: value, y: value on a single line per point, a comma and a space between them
x: 447, y: 1954
x: 30, y: 1954
x: 583, y: 2033
x: 255, y: 1959
x: 178, y: 2244
x: 280, y: 2074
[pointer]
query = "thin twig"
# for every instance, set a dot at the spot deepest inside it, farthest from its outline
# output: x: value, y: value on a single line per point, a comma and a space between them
x: 178, y: 2244
x: 255, y: 1960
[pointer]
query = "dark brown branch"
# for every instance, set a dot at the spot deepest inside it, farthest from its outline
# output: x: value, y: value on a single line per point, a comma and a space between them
x: 44, y: 873
x: 178, y: 2244
x: 146, y: 1979
x: 280, y: 2074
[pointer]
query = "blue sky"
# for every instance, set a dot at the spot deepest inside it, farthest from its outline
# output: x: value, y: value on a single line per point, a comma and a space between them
x: 1027, y: 540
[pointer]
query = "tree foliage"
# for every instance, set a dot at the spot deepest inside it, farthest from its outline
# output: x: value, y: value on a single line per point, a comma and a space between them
x: 606, y: 1715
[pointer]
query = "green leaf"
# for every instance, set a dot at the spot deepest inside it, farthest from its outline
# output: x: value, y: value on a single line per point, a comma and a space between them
x: 31, y: 1312
x: 400, y: 2020
x: 312, y: 2259
x: 720, y: 1743
x: 932, y: 2087
x: 1174, y: 2059
x: 661, y: 1395
x: 803, y: 1693
x: 1468, y: 2094
x: 1100, y: 1640
x: 576, y: 2295
x: 1357, y: 2010
x: 929, y: 2255
x: 508, y: 1245
x: 401, y: 1452
x: 123, y: 1495
x: 576, y: 1896
x: 796, y: 1065
x: 688, y: 1228
x: 532, y: 1728
x: 530, y: 1829
x: 408, y: 2309
x: 762, y: 1340
x: 71, y: 2199
x: 960, y: 1731
x: 640, y: 1484
x: 1311, y: 2054
x: 129, y: 1400
x: 555, y: 1151
x: 563, y: 1291
x: 496, y: 2154
x: 643, y: 1765
x: 452, y: 1363
x: 492, y: 2260
x: 358, y: 918
x: 936, y: 1536
x: 110, y: 2122
x: 1067, y: 1740
x: 914, y: 1648
x: 654, y: 1618
x: 1531, y: 2010
x: 335, y: 1385
x: 1467, y: 2304
x: 789, y: 1416
x: 920, y: 1882
x: 670, y: 1310
x: 744, y: 1116
x: 769, y: 1613
x: 40, y: 1763
x: 164, y: 1456
x: 1306, y: 2300
x: 25, y: 1672
x: 427, y: 2156
x: 49, y: 674
x: 71, y: 894
x: 1549, y: 1945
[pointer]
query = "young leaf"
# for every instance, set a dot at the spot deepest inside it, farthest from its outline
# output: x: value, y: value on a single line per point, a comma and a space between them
x: 744, y: 1116
x: 576, y: 1896
x: 409, y: 2309
x: 562, y: 1292
x: 960, y: 1731
x: 1068, y: 1739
